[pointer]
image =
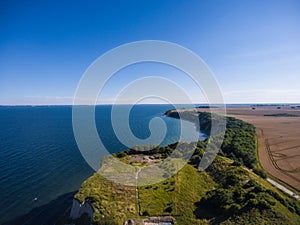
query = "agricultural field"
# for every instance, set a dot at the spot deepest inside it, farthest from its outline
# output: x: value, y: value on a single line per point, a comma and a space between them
x: 278, y: 132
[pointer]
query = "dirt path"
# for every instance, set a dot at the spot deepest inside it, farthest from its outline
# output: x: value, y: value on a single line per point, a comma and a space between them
x: 137, y: 194
x: 279, y: 186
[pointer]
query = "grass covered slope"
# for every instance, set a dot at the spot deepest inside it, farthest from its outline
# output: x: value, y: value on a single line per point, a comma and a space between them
x: 177, y: 195
x: 113, y: 203
x: 224, y: 194
x: 227, y: 192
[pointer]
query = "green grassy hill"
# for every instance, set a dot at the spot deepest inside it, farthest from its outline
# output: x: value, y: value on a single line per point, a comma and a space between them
x: 227, y: 192
x: 224, y: 194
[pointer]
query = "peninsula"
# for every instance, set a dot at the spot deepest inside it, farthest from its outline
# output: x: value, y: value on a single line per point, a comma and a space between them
x: 232, y: 190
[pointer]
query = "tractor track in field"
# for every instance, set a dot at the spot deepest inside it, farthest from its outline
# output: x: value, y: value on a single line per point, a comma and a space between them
x: 273, y: 161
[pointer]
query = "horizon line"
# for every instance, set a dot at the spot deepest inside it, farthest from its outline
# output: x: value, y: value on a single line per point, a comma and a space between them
x: 204, y: 104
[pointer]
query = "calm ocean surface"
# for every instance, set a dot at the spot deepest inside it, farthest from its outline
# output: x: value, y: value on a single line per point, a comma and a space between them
x: 39, y: 157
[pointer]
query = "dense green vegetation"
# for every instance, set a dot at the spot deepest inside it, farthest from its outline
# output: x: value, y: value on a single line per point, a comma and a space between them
x: 282, y: 115
x: 239, y: 141
x: 227, y: 192
x: 239, y: 193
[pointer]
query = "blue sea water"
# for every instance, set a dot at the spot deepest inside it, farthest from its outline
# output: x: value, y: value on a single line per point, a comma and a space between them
x: 40, y: 164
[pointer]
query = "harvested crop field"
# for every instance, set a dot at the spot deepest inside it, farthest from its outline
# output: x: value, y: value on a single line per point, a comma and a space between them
x: 278, y: 132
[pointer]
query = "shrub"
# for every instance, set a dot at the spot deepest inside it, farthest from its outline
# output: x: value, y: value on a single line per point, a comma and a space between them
x: 234, y: 208
x: 260, y: 172
x: 146, y: 213
x: 121, y: 154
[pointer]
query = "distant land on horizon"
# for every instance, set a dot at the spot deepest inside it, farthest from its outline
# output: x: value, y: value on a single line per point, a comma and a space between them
x: 179, y: 104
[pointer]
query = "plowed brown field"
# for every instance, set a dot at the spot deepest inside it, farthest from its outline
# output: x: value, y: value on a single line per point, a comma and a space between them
x: 278, y: 139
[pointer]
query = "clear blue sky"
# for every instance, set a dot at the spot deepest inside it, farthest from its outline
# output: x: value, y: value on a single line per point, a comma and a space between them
x: 253, y: 47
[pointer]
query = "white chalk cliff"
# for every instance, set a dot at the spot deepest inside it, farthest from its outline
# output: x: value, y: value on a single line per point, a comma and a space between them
x: 78, y: 209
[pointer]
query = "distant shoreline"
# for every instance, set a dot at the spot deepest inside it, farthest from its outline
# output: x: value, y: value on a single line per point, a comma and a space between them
x: 198, y: 105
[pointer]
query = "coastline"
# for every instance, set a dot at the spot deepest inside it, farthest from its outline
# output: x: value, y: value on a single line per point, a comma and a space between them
x: 168, y: 113
x: 241, y: 113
